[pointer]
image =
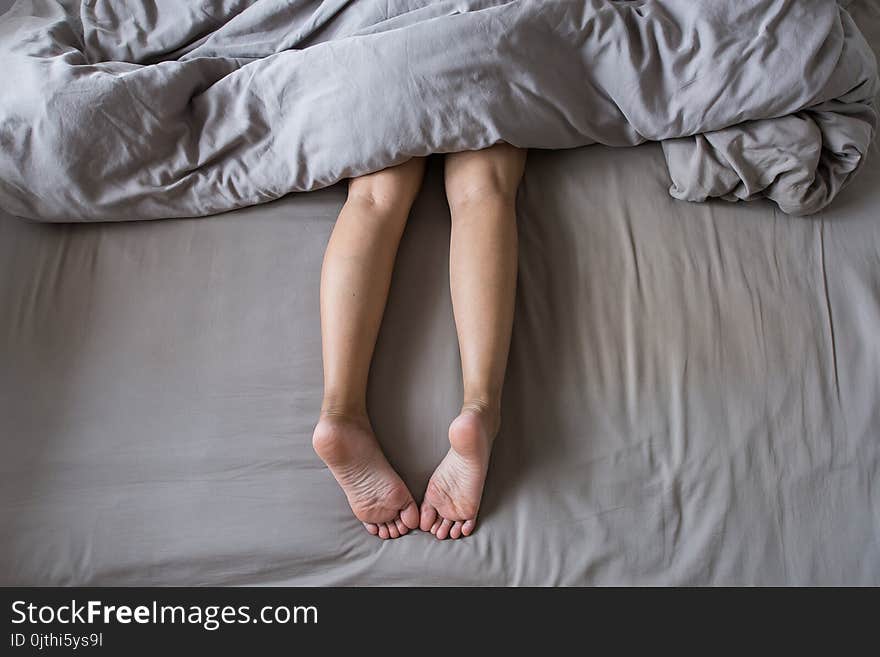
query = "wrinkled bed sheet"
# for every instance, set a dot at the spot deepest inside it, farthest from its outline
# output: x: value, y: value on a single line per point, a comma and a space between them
x: 119, y: 110
x: 692, y: 395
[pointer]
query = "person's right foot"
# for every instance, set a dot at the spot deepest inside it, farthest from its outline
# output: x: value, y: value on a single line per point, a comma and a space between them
x: 452, y: 498
x: 376, y: 493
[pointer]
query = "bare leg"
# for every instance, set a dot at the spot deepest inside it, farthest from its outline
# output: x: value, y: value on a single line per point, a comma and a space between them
x: 354, y: 287
x: 481, y: 188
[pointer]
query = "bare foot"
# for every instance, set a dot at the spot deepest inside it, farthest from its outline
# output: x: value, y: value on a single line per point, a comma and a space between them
x: 376, y: 493
x: 454, y: 491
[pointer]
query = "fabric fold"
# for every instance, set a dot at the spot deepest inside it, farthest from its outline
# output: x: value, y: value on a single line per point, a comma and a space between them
x: 117, y: 110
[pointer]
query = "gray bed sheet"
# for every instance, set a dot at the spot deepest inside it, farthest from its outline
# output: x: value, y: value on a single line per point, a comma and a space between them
x: 692, y: 395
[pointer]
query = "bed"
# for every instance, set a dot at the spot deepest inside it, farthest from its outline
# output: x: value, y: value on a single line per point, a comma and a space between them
x: 693, y: 393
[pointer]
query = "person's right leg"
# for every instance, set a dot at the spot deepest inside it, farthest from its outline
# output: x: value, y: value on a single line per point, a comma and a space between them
x: 354, y: 287
x: 481, y: 188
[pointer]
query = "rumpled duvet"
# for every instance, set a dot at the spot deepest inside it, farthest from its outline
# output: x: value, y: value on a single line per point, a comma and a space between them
x: 125, y: 109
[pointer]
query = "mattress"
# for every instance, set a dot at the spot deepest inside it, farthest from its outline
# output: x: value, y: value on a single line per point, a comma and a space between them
x: 692, y: 394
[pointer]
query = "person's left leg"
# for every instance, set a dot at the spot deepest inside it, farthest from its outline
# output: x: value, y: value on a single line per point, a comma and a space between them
x: 354, y: 287
x: 481, y: 188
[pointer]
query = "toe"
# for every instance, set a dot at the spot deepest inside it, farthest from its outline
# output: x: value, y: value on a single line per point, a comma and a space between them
x: 468, y: 527
x: 455, y: 530
x: 410, y: 516
x: 383, y: 531
x: 392, y: 530
x: 443, y: 530
x: 428, y: 518
x: 370, y: 527
x: 436, y: 525
x: 401, y: 527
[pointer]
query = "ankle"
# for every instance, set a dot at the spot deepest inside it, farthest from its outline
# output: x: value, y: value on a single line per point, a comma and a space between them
x: 337, y: 409
x: 487, y: 408
x: 482, y: 403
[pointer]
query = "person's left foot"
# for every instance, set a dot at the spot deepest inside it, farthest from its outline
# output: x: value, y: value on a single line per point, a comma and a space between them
x: 452, y: 498
x: 376, y: 493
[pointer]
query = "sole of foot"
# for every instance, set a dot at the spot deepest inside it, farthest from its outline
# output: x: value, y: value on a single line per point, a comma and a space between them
x: 376, y: 493
x: 452, y: 499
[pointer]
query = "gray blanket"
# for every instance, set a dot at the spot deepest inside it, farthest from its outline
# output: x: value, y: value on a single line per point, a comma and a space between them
x: 122, y: 110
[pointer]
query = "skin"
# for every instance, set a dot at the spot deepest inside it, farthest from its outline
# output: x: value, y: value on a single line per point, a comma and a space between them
x: 481, y: 189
